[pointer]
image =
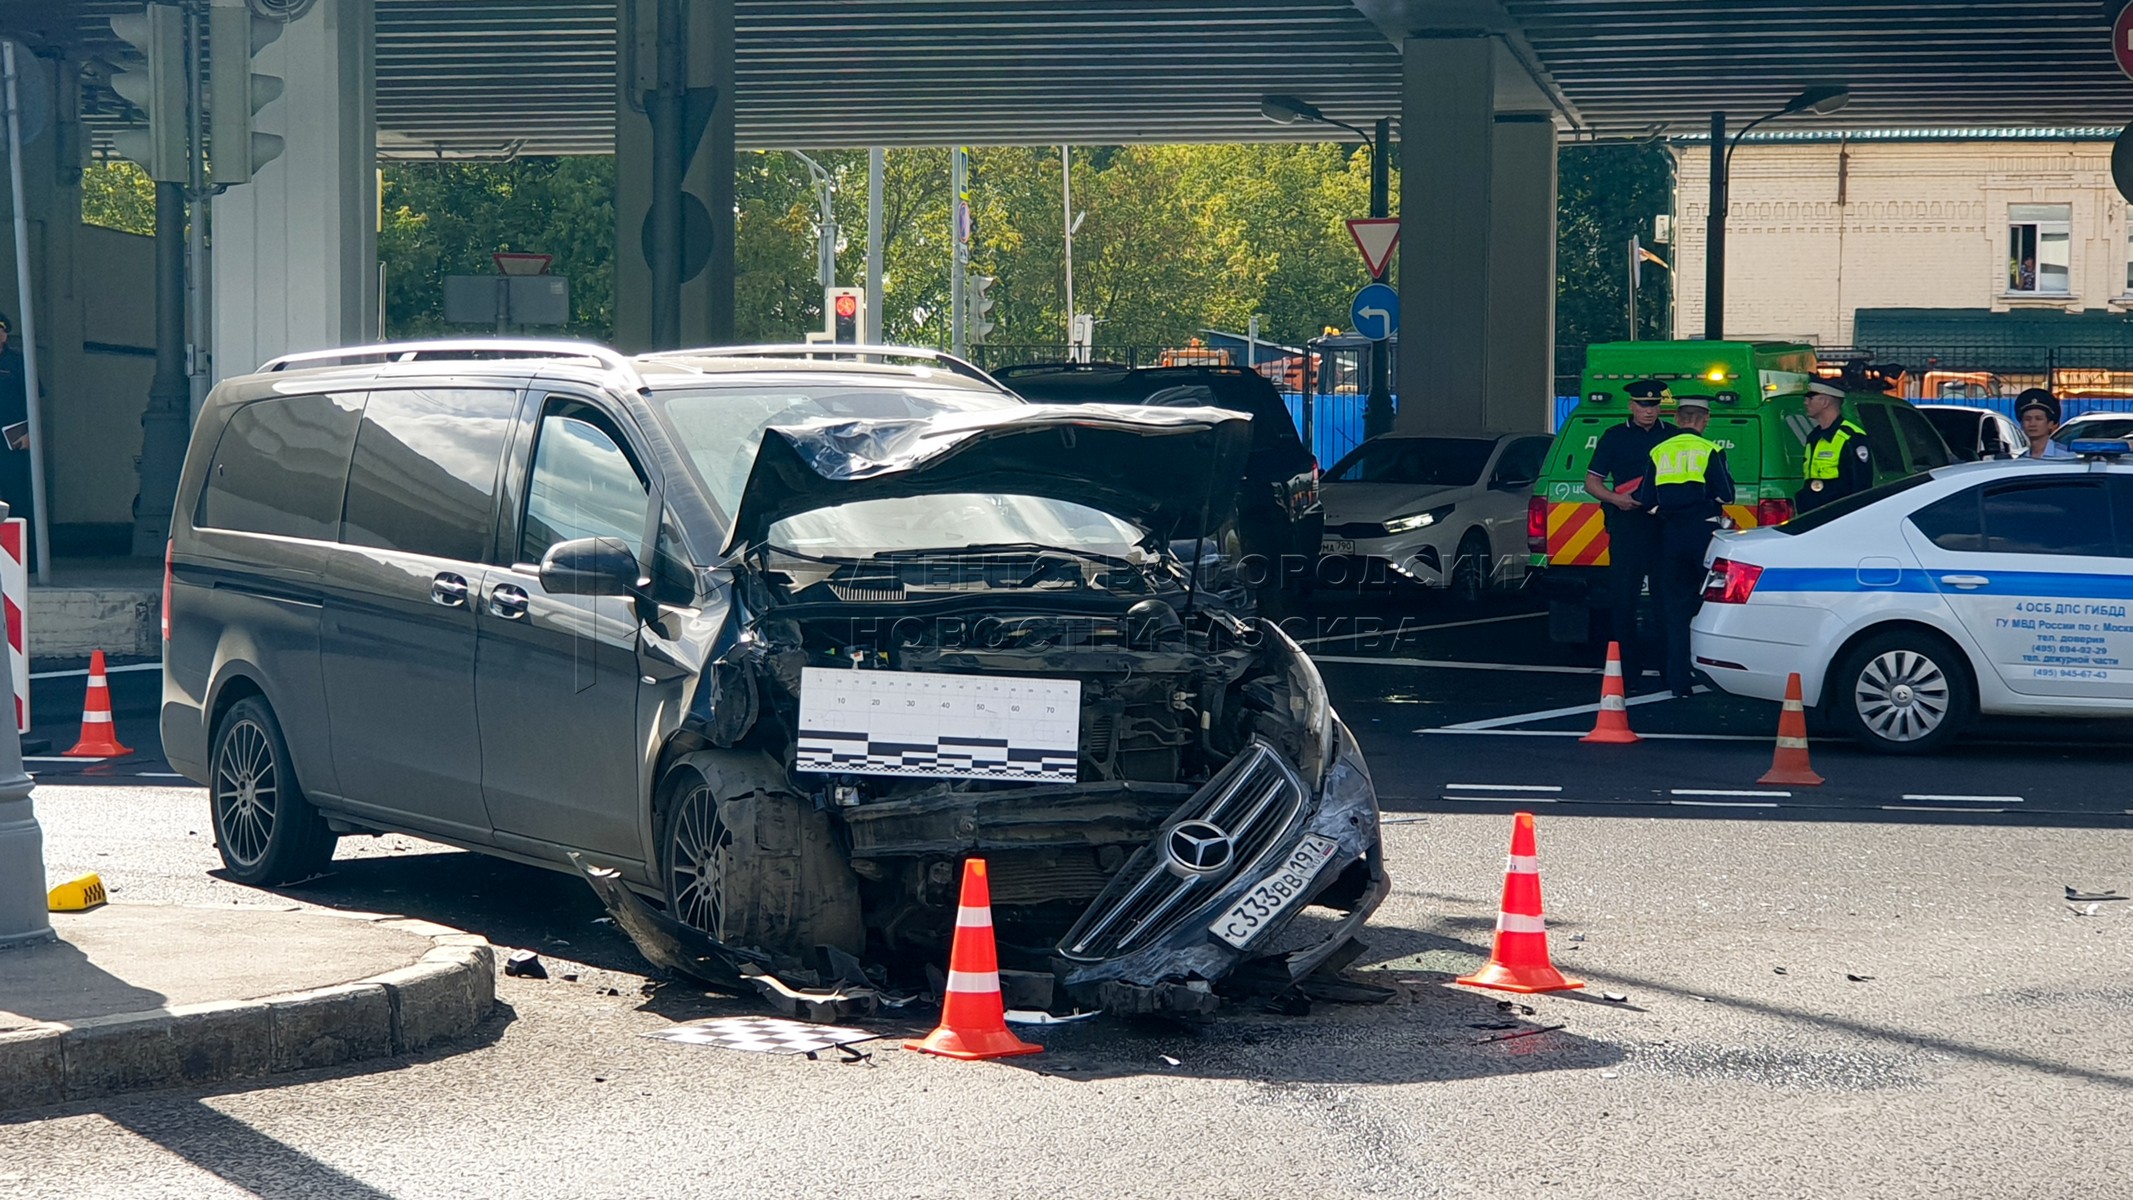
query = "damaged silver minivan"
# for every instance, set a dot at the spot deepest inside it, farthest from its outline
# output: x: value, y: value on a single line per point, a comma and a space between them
x: 779, y: 635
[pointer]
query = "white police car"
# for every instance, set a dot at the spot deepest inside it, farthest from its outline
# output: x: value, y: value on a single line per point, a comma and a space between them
x: 2001, y: 587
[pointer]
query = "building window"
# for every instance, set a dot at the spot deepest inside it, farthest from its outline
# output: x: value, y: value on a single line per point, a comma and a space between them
x: 2039, y: 248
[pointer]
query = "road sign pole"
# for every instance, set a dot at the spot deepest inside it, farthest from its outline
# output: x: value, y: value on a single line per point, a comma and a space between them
x: 22, y: 896
x: 958, y: 250
x: 1377, y: 411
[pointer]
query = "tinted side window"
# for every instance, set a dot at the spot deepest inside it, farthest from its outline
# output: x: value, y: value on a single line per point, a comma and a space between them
x: 582, y: 486
x: 2048, y: 517
x: 1954, y: 522
x: 1927, y: 448
x: 423, y: 479
x: 1522, y: 459
x: 1881, y: 435
x: 280, y: 466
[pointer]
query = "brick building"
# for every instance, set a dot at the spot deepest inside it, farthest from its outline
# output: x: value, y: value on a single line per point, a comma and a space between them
x: 2021, y: 242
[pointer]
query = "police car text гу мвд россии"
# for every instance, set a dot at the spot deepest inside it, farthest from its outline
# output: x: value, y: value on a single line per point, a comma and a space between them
x: 1995, y: 587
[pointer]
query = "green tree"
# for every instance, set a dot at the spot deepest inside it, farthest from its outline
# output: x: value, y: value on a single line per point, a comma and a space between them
x: 118, y: 195
x: 1606, y: 195
x: 448, y: 218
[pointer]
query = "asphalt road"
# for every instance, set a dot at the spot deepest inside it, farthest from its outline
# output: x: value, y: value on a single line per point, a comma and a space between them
x: 1981, y: 1050
x: 1464, y: 711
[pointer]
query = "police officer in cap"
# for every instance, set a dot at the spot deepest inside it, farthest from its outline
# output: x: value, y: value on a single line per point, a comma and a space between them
x: 2038, y: 411
x: 1839, y: 462
x: 1686, y: 488
x: 1620, y: 464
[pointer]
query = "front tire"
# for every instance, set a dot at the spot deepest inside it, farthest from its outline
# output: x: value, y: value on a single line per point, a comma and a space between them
x: 1471, y: 568
x: 1902, y: 693
x: 267, y: 833
x: 757, y: 870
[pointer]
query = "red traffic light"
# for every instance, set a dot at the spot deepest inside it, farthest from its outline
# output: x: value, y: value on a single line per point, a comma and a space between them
x: 847, y: 307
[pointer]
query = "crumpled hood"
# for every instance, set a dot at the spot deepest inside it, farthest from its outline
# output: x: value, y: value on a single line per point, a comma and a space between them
x: 1171, y: 471
x: 1346, y: 502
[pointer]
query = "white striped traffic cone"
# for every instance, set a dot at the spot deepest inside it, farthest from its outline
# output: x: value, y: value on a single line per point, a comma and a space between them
x: 1790, y: 765
x: 1519, y: 960
x: 973, y: 1015
x: 98, y: 738
x: 1612, y: 728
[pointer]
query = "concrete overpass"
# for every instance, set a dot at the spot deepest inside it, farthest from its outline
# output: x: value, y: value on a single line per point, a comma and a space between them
x: 1482, y: 92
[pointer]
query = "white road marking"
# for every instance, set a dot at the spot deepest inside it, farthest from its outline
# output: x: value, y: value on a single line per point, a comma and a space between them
x: 1578, y: 733
x: 1399, y: 631
x: 154, y: 666
x: 1976, y: 799
x: 1548, y: 714
x: 1525, y: 799
x: 1502, y: 787
x: 160, y: 775
x: 1448, y: 665
x: 1725, y: 803
x: 1716, y: 792
x: 1941, y: 808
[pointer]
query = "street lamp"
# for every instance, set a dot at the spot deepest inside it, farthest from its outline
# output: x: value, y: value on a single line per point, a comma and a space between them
x: 826, y: 223
x: 1820, y: 101
x: 1288, y: 110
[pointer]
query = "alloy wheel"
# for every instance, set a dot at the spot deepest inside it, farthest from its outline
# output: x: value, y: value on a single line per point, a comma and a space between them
x: 693, y: 873
x: 1902, y: 696
x: 247, y: 792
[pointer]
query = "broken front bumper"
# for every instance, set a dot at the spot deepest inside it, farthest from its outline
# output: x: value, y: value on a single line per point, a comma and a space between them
x: 1223, y: 882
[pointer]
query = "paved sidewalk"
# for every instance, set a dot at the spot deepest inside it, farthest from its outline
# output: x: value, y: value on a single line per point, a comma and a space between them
x: 138, y: 996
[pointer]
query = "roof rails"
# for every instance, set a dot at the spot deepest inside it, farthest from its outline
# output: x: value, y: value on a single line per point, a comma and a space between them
x: 463, y: 349
x: 938, y: 358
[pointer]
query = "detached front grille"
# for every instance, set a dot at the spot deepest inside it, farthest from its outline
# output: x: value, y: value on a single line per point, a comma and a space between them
x: 1243, y: 810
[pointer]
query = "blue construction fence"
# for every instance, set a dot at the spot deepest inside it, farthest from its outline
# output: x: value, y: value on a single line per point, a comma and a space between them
x: 1337, y: 420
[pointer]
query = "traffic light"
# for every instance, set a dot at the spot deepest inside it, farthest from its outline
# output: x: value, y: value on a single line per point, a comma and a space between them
x: 977, y: 308
x: 156, y: 86
x: 234, y: 35
x: 847, y: 308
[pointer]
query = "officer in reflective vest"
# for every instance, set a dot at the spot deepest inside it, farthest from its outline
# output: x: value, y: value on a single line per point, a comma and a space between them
x: 1687, y: 487
x: 1839, y: 462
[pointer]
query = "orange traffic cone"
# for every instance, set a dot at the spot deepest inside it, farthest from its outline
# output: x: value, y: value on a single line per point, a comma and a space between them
x: 1519, y: 962
x: 1789, y: 764
x: 1612, y: 728
x: 98, y: 740
x: 973, y: 1017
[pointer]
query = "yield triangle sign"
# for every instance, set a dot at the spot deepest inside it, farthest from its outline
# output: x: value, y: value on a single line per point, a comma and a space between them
x: 1375, y: 237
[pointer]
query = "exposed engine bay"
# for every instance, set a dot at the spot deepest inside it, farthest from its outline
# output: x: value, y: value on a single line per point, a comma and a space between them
x: 1191, y: 727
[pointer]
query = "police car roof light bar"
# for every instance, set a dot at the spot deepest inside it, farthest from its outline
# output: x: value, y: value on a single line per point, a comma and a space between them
x: 2101, y: 447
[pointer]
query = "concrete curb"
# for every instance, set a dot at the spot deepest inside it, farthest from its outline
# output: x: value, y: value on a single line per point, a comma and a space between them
x: 443, y: 996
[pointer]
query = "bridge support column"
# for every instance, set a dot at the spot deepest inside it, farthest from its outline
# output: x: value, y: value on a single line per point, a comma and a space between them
x: 295, y: 258
x: 1477, y: 257
x: 674, y: 174
x: 1522, y: 219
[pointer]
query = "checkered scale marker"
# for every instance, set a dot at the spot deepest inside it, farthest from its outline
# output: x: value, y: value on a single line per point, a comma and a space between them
x: 867, y: 722
x: 761, y: 1035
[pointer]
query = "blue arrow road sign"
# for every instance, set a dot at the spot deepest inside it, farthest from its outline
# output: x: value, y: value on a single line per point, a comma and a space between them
x: 1376, y: 312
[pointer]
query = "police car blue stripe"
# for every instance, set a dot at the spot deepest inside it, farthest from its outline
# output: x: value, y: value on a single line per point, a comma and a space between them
x: 1842, y: 579
x: 2052, y: 584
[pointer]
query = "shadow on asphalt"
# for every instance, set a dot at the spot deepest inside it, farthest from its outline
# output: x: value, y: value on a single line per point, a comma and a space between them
x: 512, y: 905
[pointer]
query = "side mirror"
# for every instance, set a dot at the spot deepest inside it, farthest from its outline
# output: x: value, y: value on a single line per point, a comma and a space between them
x: 594, y: 566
